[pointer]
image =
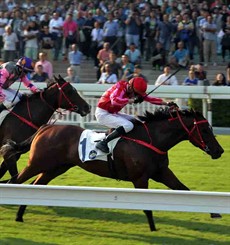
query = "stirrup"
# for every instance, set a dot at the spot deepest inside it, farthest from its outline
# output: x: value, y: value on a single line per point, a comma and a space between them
x: 102, y: 145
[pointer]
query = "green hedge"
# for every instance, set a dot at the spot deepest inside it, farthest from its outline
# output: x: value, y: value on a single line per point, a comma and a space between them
x: 220, y: 111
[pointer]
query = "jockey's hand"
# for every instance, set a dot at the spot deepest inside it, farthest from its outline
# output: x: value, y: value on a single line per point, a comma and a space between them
x: 131, y: 101
x: 138, y: 99
x: 172, y: 104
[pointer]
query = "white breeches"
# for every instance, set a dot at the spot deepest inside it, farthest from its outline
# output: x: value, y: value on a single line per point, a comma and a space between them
x: 9, y: 96
x: 114, y: 120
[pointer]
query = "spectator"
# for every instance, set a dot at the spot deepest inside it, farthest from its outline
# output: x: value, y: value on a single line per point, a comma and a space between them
x: 3, y: 23
x: 158, y: 58
x: 46, y: 65
x: 150, y: 33
x: 46, y: 42
x: 115, y: 67
x: 10, y: 40
x: 102, y: 56
x: 55, y: 28
x: 165, y: 75
x: 191, y: 79
x: 110, y: 30
x: 96, y: 42
x: 137, y: 73
x: 107, y: 76
x: 31, y: 40
x: 134, y: 54
x: 75, y: 59
x: 71, y: 76
x: 133, y: 23
x: 164, y: 33
x: 220, y: 80
x: 126, y: 66
x: 70, y: 32
x: 201, y: 75
x: 40, y: 75
x: 209, y: 34
x: 180, y: 58
x: 228, y: 73
x: 225, y: 42
x: 185, y: 29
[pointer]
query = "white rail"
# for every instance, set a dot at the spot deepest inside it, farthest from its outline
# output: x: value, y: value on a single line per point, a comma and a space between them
x: 91, y: 92
x: 119, y: 198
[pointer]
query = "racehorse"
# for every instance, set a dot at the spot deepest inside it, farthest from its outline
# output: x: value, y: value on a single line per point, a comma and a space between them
x: 140, y: 155
x: 35, y: 110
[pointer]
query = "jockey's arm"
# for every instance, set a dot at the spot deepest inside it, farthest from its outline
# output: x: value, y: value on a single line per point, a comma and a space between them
x: 29, y: 85
x: 155, y: 100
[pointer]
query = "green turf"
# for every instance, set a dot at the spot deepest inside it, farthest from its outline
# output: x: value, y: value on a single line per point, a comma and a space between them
x: 67, y: 226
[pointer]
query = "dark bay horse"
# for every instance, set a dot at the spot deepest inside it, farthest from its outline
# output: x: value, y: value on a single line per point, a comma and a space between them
x: 29, y: 114
x: 139, y: 156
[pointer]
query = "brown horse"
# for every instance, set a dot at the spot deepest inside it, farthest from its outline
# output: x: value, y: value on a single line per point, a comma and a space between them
x: 141, y: 155
x: 35, y: 110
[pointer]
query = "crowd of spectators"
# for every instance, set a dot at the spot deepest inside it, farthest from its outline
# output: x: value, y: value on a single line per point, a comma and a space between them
x: 159, y: 31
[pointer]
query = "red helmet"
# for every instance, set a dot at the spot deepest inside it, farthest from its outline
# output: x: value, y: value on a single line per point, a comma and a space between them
x: 139, y: 85
x: 26, y: 64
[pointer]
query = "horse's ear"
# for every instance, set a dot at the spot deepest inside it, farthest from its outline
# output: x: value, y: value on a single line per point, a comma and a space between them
x: 55, y: 77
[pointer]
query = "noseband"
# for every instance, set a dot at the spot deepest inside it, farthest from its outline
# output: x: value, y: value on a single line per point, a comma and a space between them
x: 62, y: 94
x: 195, y: 128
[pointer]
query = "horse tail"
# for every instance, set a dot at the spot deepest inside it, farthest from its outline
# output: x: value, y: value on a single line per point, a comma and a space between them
x: 12, y: 148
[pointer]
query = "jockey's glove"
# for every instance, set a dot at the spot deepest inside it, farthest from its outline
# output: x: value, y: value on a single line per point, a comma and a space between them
x: 172, y: 104
x: 138, y: 99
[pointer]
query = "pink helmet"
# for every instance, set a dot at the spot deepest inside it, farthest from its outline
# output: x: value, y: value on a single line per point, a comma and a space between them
x: 139, y: 85
x: 26, y: 64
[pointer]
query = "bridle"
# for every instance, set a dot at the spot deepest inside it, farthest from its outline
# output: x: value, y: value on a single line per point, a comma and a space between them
x: 62, y: 95
x: 199, y: 141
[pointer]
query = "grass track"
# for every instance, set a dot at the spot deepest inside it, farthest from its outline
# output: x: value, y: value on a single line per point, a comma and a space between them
x: 58, y: 225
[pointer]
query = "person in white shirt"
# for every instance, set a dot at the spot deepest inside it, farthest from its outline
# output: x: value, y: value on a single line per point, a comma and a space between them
x: 107, y: 76
x: 171, y: 81
x: 3, y: 23
x: 55, y: 28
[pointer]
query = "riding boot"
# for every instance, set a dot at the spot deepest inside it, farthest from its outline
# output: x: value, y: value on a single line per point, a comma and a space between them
x: 103, y: 144
x: 2, y: 107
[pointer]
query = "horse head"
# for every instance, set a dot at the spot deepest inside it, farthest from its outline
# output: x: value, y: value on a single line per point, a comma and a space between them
x: 200, y: 133
x: 69, y: 98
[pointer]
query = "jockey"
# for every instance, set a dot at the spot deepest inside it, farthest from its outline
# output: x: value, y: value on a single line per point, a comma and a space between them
x: 113, y: 100
x: 10, y: 72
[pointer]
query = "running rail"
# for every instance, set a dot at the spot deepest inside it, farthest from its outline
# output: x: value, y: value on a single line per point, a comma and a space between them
x: 117, y: 198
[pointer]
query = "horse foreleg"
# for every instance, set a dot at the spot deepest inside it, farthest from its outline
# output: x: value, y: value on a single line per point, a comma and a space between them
x: 3, y: 169
x: 142, y: 183
x: 42, y: 179
x: 11, y: 165
x: 168, y: 178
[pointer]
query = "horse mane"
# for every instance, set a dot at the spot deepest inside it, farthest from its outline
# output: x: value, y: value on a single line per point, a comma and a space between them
x: 166, y: 113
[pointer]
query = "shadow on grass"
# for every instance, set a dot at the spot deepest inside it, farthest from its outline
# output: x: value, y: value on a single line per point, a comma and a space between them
x: 19, y: 241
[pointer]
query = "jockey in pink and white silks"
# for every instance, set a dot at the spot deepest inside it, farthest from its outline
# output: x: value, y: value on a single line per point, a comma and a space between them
x: 11, y: 72
x: 113, y: 100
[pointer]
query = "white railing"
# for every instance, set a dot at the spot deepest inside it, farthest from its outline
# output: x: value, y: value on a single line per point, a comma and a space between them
x: 91, y: 93
x: 119, y: 198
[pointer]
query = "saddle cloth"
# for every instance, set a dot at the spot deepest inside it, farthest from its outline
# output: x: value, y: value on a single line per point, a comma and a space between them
x: 87, y: 146
x: 3, y: 114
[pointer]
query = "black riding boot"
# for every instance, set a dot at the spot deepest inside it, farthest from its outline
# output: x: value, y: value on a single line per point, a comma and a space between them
x: 103, y: 144
x: 2, y: 107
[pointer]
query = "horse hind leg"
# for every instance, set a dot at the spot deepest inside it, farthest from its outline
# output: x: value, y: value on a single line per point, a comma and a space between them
x: 168, y: 178
x: 143, y: 184
x: 42, y: 179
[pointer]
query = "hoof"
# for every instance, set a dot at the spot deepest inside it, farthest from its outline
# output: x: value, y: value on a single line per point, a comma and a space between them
x: 19, y: 219
x: 153, y: 229
x: 216, y: 216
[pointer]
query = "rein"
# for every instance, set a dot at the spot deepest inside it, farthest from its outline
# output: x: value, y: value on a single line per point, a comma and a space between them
x: 148, y: 145
x: 62, y: 94
x: 199, y: 141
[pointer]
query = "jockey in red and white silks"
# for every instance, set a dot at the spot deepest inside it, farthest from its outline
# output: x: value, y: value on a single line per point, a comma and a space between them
x: 113, y: 100
x: 11, y: 72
